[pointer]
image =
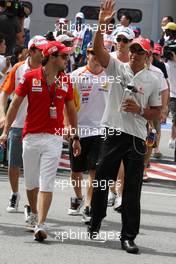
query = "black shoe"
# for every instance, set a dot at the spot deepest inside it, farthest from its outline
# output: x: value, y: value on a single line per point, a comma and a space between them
x: 86, y: 215
x: 129, y: 246
x: 93, y: 231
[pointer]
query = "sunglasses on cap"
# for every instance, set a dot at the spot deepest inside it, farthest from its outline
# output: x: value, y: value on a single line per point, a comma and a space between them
x: 138, y: 50
x: 124, y: 40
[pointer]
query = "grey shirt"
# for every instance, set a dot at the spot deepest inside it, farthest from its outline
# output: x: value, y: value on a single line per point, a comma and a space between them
x: 148, y: 94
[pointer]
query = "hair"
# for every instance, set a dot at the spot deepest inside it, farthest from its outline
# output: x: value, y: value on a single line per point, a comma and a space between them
x: 16, y: 52
x: 170, y: 19
x: 128, y: 17
x: 2, y: 37
x: 152, y: 44
x: 49, y: 36
x: 33, y: 49
x: 45, y: 61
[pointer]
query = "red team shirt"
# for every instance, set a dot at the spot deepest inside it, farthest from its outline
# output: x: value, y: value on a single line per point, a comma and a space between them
x: 34, y: 86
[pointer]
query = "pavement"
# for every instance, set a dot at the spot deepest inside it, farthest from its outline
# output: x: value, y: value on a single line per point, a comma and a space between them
x: 67, y: 238
x: 67, y: 241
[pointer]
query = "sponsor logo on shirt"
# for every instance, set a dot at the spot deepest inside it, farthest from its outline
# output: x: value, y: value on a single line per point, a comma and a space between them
x: 36, y: 89
x: 36, y: 82
x: 59, y: 96
x: 104, y: 87
x: 140, y: 90
x: 85, y: 94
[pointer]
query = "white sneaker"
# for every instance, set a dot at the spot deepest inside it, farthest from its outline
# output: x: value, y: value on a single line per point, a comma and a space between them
x: 111, y: 198
x: 75, y: 205
x: 40, y: 233
x: 171, y: 143
x: 13, y: 203
x: 31, y: 221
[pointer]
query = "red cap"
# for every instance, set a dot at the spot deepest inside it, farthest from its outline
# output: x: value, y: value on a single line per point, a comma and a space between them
x: 56, y: 46
x: 158, y: 49
x: 144, y: 43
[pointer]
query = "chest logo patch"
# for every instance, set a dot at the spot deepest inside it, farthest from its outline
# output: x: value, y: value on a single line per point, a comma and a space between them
x: 36, y: 82
x: 36, y: 89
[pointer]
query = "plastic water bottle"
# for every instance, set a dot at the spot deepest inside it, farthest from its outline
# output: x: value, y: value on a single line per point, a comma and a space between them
x: 151, y: 139
x: 128, y: 93
x: 1, y: 153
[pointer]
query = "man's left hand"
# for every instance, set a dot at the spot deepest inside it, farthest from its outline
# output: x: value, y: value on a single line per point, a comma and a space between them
x: 76, y: 148
x: 131, y: 106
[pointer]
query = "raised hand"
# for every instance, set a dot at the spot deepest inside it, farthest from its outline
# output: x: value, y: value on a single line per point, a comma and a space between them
x: 107, y: 11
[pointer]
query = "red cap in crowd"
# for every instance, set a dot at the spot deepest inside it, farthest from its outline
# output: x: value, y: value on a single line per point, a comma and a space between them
x: 158, y: 49
x: 56, y: 46
x: 144, y: 43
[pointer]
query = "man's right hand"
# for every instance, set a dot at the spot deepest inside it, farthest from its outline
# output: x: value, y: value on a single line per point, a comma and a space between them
x: 3, y: 139
x: 106, y: 11
x: 8, y: 59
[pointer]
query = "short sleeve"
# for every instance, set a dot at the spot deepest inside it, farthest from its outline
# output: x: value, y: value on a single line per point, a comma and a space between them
x: 110, y: 69
x: 155, y: 97
x: 114, y: 68
x: 23, y: 88
x: 8, y: 86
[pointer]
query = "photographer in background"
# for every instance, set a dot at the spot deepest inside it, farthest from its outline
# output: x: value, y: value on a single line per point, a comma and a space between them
x: 11, y: 22
x: 164, y: 22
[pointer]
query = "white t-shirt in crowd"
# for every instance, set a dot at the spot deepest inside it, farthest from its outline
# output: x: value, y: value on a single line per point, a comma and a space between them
x: 109, y: 41
x: 148, y: 94
x: 21, y: 115
x: 27, y: 22
x: 160, y: 75
x: 90, y: 94
x: 171, y: 70
x: 2, y: 66
x: 9, y: 85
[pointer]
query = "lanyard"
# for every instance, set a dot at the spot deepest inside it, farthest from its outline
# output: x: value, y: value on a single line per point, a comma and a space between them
x: 52, y: 95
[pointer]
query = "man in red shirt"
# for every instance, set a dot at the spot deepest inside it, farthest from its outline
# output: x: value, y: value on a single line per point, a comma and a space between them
x: 47, y: 89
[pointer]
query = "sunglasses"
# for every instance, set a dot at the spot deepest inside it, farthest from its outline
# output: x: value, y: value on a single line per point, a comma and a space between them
x: 124, y: 40
x: 63, y: 56
x: 92, y: 52
x: 137, y: 50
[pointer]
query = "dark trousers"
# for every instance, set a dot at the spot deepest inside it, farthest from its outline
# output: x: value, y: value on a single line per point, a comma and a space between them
x: 115, y: 149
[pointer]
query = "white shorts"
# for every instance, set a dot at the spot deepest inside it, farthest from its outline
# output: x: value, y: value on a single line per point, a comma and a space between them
x: 41, y: 154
